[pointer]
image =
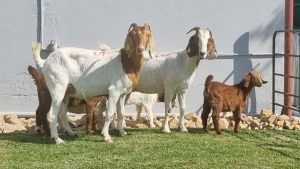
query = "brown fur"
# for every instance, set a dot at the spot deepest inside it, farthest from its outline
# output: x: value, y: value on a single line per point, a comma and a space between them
x: 131, y: 66
x: 211, y: 48
x: 161, y: 98
x: 220, y: 97
x: 44, y: 100
x: 45, y: 103
x: 132, y: 53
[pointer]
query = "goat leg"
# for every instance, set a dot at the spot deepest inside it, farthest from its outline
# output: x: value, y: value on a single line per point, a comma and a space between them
x: 204, y: 115
x: 216, y: 117
x: 237, y: 119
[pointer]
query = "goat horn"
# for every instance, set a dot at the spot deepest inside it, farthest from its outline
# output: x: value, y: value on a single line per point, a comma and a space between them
x: 147, y: 25
x: 194, y: 29
x: 132, y: 25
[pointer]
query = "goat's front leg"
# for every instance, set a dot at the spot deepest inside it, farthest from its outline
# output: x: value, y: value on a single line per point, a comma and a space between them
x: 237, y: 119
x: 148, y: 109
x: 120, y: 114
x: 62, y: 115
x: 182, y: 106
x: 114, y: 95
x: 168, y: 99
x: 138, y: 109
x: 216, y: 118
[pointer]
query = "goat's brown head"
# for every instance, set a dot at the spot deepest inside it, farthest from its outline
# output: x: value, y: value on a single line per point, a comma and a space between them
x: 253, y: 78
x: 137, y: 39
x: 201, y: 44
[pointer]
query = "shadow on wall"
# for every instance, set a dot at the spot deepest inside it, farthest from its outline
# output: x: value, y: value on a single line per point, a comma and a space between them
x: 242, y: 65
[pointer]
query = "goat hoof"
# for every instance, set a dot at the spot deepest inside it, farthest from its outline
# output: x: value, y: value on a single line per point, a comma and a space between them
x: 122, y: 132
x: 183, y: 130
x: 38, y: 129
x: 59, y: 141
x: 107, y: 139
x: 167, y: 131
x: 219, y: 132
x: 89, y: 132
x: 72, y: 133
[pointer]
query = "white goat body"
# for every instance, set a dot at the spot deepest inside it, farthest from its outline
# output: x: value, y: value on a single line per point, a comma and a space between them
x: 173, y: 73
x: 77, y: 73
x: 89, y: 75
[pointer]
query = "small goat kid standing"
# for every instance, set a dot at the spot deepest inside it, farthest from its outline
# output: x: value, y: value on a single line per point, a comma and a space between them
x: 115, y: 75
x: 220, y: 97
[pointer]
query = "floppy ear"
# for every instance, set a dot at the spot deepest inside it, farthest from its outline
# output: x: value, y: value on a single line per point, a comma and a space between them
x: 211, y: 47
x: 151, y: 44
x: 191, y: 48
x: 246, y: 79
x: 128, y: 45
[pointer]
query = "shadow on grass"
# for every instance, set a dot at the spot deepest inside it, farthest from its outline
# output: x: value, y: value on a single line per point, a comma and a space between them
x: 33, y: 138
x: 131, y: 131
x: 276, y: 142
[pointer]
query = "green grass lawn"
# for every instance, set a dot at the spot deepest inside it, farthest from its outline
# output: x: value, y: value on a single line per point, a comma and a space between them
x: 149, y: 148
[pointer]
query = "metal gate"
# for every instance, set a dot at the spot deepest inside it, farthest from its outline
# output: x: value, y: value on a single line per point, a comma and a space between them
x: 296, y: 77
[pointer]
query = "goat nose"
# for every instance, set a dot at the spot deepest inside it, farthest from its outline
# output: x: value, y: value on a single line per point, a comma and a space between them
x: 140, y: 50
x: 202, y: 53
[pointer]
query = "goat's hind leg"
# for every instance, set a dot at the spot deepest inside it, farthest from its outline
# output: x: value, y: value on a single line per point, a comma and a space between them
x: 182, y: 106
x: 168, y: 99
x: 216, y: 118
x: 204, y: 115
x: 62, y: 115
x: 53, y: 117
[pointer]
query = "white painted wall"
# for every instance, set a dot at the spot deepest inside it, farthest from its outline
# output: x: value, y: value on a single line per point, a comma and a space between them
x: 242, y: 31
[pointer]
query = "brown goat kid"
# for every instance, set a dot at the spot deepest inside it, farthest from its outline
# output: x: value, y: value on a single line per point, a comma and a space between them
x: 45, y: 103
x: 220, y: 97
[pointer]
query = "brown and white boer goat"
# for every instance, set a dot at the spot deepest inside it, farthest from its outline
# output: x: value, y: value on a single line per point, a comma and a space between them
x: 114, y: 74
x: 173, y: 73
x: 220, y: 97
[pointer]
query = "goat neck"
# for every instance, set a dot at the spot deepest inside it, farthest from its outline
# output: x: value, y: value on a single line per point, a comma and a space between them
x: 190, y: 63
x: 244, y: 90
x: 132, y: 66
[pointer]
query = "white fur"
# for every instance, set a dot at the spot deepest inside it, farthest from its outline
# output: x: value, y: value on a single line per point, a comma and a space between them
x: 171, y: 74
x: 90, y: 75
x: 142, y: 100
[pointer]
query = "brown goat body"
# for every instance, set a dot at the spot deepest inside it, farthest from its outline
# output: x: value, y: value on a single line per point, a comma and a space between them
x: 220, y: 97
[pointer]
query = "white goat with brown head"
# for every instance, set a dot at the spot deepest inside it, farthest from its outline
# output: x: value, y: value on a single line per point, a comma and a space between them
x: 173, y: 73
x: 78, y: 73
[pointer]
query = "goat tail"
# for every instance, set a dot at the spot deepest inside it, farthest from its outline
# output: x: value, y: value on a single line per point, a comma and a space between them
x: 207, y: 82
x: 34, y: 73
x: 36, y: 50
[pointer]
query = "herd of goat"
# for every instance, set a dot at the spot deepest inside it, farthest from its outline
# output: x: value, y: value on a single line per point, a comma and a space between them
x: 130, y: 75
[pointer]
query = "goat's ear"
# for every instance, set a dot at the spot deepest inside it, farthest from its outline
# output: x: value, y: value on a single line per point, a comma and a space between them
x: 151, y: 44
x: 191, y: 48
x: 211, y: 47
x: 128, y: 45
x: 246, y: 79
